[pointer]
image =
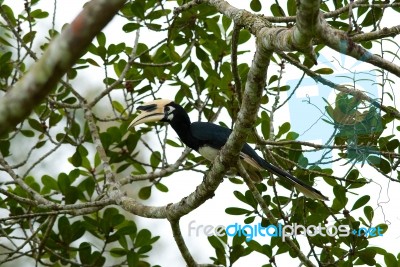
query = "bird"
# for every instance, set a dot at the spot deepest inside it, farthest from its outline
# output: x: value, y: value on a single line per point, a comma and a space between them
x: 208, y: 138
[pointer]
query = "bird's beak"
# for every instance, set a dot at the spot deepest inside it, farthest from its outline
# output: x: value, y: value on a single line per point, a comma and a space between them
x: 150, y: 112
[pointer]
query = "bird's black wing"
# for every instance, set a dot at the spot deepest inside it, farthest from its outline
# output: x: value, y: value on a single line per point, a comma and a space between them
x: 210, y: 134
x: 216, y: 136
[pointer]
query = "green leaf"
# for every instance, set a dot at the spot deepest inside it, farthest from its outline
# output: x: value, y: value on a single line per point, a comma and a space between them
x: 39, y: 14
x: 133, y: 258
x: 367, y: 44
x: 265, y: 125
x: 272, y: 79
x: 340, y: 194
x: 156, y: 14
x: 36, y: 125
x: 63, y: 182
x: 380, y: 163
x: 50, y: 182
x: 101, y: 39
x: 284, y: 128
x: 249, y: 220
x: 292, y: 136
x: 372, y: 17
x: 129, y: 228
x: 85, y: 251
x: 173, y: 143
x: 237, y: 211
x: 226, y: 22
x: 276, y: 10
x: 383, y: 228
x: 71, y: 195
x: 54, y: 119
x: 324, y: 71
x: 139, y: 168
x: 361, y: 202
x: 5, y: 58
x: 92, y: 62
x: 369, y: 213
x: 235, y: 180
x: 201, y: 54
x: 215, y: 242
x: 138, y: 9
x: 75, y: 129
x: 255, y: 5
x: 237, y: 252
x: 130, y: 27
x: 65, y: 229
x: 240, y: 196
x: 291, y: 7
x: 367, y: 256
x: 117, y: 219
x: 161, y: 187
x: 5, y: 147
x: 10, y: 14
x: 155, y: 159
x: 89, y: 186
x: 212, y: 26
x: 145, y: 192
x: 142, y: 238
x: 118, y: 107
x: 392, y: 145
x: 390, y: 260
x: 352, y: 177
x: 76, y: 159
x: 244, y: 36
x: 118, y: 252
x: 28, y: 133
x: 78, y: 230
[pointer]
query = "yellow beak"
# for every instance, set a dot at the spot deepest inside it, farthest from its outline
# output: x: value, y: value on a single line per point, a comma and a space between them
x: 150, y: 112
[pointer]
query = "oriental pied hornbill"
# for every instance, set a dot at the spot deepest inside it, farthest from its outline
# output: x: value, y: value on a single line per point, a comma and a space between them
x: 207, y: 138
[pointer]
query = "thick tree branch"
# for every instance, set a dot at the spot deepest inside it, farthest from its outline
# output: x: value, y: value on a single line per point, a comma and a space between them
x: 340, y: 42
x: 60, y: 56
x: 369, y: 36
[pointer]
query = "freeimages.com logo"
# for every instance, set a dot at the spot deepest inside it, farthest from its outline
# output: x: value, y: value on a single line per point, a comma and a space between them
x: 250, y: 231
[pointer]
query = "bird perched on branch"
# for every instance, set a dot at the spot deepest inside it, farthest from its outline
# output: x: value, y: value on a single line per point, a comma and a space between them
x: 208, y: 138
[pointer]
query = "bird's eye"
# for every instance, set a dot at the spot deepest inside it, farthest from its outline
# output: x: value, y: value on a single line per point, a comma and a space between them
x: 167, y: 109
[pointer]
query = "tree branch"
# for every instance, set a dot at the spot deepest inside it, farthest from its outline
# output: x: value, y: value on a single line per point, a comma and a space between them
x: 60, y: 56
x: 385, y: 32
x: 340, y: 42
x: 176, y: 231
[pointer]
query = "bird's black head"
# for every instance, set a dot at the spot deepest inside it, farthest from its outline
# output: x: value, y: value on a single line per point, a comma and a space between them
x: 158, y: 110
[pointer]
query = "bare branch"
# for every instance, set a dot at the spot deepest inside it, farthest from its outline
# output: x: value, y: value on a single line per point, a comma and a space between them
x: 176, y: 230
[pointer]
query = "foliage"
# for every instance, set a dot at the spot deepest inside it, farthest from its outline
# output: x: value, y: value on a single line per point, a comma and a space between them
x: 53, y: 153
